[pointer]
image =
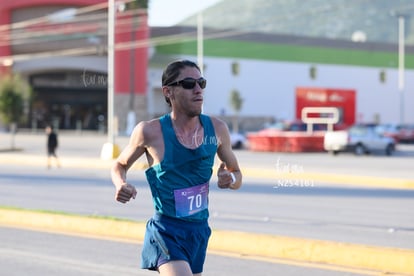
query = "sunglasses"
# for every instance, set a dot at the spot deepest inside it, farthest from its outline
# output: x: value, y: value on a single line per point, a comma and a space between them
x: 189, y: 83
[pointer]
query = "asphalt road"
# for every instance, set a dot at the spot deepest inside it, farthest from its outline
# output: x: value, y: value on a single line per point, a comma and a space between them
x: 354, y: 211
x: 381, y: 217
x: 26, y: 252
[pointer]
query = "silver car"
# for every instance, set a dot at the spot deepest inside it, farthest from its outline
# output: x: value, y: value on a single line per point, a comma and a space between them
x: 360, y: 139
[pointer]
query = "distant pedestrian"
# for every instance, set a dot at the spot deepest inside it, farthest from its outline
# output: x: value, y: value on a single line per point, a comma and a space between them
x: 52, y: 144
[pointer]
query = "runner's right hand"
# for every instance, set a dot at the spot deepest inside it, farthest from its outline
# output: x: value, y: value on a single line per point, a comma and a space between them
x: 125, y: 193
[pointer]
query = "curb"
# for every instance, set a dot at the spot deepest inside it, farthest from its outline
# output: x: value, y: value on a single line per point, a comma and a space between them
x: 383, y: 259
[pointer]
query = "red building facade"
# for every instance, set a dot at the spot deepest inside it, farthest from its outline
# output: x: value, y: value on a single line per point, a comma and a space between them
x: 65, y: 60
x: 343, y: 99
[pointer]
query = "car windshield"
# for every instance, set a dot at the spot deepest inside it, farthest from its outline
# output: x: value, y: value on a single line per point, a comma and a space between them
x: 358, y: 130
x: 381, y: 130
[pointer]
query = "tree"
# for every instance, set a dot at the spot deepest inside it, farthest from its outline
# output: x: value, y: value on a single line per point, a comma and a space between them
x: 236, y: 102
x: 14, y: 94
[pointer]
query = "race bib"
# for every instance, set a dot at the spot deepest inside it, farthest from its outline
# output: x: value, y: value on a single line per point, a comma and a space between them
x: 189, y: 201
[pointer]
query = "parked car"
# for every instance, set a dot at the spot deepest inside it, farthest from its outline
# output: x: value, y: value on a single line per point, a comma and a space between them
x: 402, y: 133
x: 390, y: 130
x: 295, y: 125
x: 406, y: 133
x: 360, y: 139
x: 238, y: 140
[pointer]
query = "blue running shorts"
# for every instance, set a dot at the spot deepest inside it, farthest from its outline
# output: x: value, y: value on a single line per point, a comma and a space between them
x: 169, y: 239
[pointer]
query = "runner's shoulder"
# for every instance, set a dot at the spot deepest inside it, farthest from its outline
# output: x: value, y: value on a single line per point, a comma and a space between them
x: 219, y: 125
x: 150, y: 128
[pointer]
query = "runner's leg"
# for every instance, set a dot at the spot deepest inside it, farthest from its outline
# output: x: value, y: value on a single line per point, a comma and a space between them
x: 175, y: 268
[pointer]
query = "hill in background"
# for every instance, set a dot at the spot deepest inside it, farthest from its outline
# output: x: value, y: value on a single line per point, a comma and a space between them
x: 334, y: 19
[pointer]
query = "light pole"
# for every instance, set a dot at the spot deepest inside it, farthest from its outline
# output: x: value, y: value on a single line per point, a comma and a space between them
x: 131, y: 113
x: 401, y: 64
x: 200, y: 48
x: 110, y: 150
x: 111, y: 59
x: 401, y: 59
x: 200, y: 45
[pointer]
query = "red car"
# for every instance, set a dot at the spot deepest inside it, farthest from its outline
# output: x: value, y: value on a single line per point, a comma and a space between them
x: 401, y: 133
x: 406, y: 133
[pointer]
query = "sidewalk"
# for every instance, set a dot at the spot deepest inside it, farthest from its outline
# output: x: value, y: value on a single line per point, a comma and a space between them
x: 82, y: 151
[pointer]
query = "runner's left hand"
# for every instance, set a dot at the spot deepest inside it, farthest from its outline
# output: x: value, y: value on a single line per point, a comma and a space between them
x: 225, y: 180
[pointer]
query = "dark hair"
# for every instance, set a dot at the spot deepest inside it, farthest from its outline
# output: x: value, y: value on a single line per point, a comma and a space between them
x: 173, y: 70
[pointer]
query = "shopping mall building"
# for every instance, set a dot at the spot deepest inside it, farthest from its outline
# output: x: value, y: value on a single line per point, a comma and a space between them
x: 60, y: 47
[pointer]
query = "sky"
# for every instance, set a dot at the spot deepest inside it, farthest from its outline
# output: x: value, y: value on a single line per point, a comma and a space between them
x: 169, y: 12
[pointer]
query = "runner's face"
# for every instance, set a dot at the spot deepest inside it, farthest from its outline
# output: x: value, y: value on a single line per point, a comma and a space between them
x: 189, y: 101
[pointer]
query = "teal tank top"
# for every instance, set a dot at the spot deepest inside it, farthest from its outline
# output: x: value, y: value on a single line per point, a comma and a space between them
x: 180, y: 182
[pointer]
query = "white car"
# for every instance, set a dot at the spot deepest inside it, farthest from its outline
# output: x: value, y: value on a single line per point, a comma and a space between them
x: 361, y: 139
x: 238, y: 141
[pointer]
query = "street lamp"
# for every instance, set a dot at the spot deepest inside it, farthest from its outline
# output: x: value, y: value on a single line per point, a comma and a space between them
x: 401, y: 59
x: 109, y: 149
x: 401, y: 64
x: 200, y: 44
x: 200, y: 48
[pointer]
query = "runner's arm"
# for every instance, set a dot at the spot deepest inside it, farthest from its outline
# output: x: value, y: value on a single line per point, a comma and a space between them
x: 128, y: 156
x: 229, y: 163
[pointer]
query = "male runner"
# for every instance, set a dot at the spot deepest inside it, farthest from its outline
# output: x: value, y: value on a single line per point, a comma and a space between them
x: 180, y: 148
